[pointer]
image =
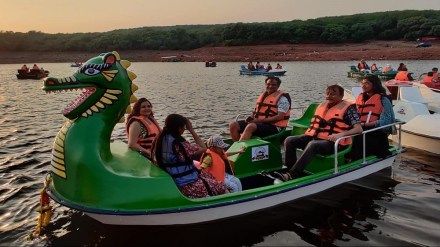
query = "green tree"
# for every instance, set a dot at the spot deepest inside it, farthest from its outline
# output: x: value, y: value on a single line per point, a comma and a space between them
x: 334, y: 34
x: 361, y: 31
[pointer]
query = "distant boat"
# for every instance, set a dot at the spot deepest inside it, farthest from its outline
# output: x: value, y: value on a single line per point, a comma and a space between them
x: 245, y: 71
x: 355, y: 73
x: 171, y: 59
x: 75, y: 64
x: 32, y: 74
x: 424, y: 44
x: 210, y: 64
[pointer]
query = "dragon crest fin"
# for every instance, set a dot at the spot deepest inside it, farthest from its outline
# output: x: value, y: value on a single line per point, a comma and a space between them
x: 125, y: 63
x: 134, y: 88
x: 133, y: 99
x: 128, y: 109
x: 116, y: 55
x: 131, y: 75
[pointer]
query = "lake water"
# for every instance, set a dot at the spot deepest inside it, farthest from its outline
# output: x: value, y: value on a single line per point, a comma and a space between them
x: 397, y: 207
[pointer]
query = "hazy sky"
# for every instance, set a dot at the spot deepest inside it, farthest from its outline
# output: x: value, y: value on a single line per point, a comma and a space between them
x: 71, y: 16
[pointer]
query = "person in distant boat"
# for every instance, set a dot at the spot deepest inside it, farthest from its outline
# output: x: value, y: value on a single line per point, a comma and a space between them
x: 429, y: 81
x: 333, y: 119
x: 428, y: 78
x: 374, y: 68
x: 35, y: 67
x: 175, y: 155
x: 42, y: 70
x: 215, y: 161
x: 362, y: 65
x: 401, y: 67
x: 269, y: 67
x: 403, y: 75
x: 279, y: 66
x: 271, y: 114
x: 142, y: 128
x: 251, y: 66
x: 375, y: 110
x: 387, y: 68
x: 435, y: 73
x: 24, y: 68
x: 259, y: 66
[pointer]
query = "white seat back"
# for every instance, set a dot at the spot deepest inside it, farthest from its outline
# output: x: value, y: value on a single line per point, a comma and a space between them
x: 405, y: 111
x: 430, y: 95
x: 356, y: 91
x: 412, y: 94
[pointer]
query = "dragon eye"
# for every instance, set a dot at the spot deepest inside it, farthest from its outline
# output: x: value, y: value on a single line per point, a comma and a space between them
x: 91, y: 71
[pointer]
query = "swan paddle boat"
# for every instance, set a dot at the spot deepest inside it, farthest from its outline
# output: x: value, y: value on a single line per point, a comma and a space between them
x: 419, y: 107
x: 115, y: 185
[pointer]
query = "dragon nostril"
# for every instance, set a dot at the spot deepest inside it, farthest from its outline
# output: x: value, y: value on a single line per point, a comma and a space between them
x: 50, y: 82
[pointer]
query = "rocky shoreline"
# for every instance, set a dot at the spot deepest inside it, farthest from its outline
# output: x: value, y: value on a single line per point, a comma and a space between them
x: 372, y: 51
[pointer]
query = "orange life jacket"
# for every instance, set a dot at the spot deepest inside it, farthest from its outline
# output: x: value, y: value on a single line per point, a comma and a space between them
x: 267, y: 107
x: 220, y: 165
x: 333, y: 124
x: 428, y: 79
x: 402, y: 76
x: 152, y: 131
x: 386, y: 69
x: 373, y: 104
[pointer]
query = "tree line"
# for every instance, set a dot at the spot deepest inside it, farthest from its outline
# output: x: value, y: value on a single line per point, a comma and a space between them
x: 390, y: 25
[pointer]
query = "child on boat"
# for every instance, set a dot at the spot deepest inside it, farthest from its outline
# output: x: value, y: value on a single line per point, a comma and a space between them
x: 215, y: 161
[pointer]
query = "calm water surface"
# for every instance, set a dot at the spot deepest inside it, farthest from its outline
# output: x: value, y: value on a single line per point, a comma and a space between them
x: 397, y: 207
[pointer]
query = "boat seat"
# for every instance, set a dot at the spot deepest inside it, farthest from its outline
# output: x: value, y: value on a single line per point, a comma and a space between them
x: 275, y: 139
x: 405, y: 111
x: 324, y: 162
x: 432, y: 96
x: 355, y: 91
x: 412, y: 94
x: 301, y: 124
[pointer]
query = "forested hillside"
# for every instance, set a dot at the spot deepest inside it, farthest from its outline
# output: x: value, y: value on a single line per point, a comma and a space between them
x: 394, y: 25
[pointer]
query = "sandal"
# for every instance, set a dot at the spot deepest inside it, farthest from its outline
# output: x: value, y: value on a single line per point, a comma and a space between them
x: 283, y: 176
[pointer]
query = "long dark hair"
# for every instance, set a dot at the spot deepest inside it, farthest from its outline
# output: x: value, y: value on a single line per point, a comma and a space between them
x: 377, y: 84
x: 173, y: 124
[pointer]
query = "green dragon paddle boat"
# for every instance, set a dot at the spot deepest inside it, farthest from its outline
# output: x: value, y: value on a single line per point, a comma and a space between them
x: 115, y: 185
x: 355, y: 73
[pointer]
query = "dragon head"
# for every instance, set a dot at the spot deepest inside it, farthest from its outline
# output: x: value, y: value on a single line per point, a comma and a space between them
x: 104, y: 81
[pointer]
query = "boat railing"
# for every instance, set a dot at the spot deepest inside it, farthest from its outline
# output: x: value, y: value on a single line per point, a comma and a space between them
x: 399, y: 146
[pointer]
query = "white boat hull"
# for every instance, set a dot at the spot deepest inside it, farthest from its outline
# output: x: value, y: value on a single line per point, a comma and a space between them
x: 421, y: 129
x: 418, y: 141
x: 242, y: 207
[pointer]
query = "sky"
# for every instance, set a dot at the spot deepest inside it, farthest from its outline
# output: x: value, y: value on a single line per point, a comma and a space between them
x: 82, y: 16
